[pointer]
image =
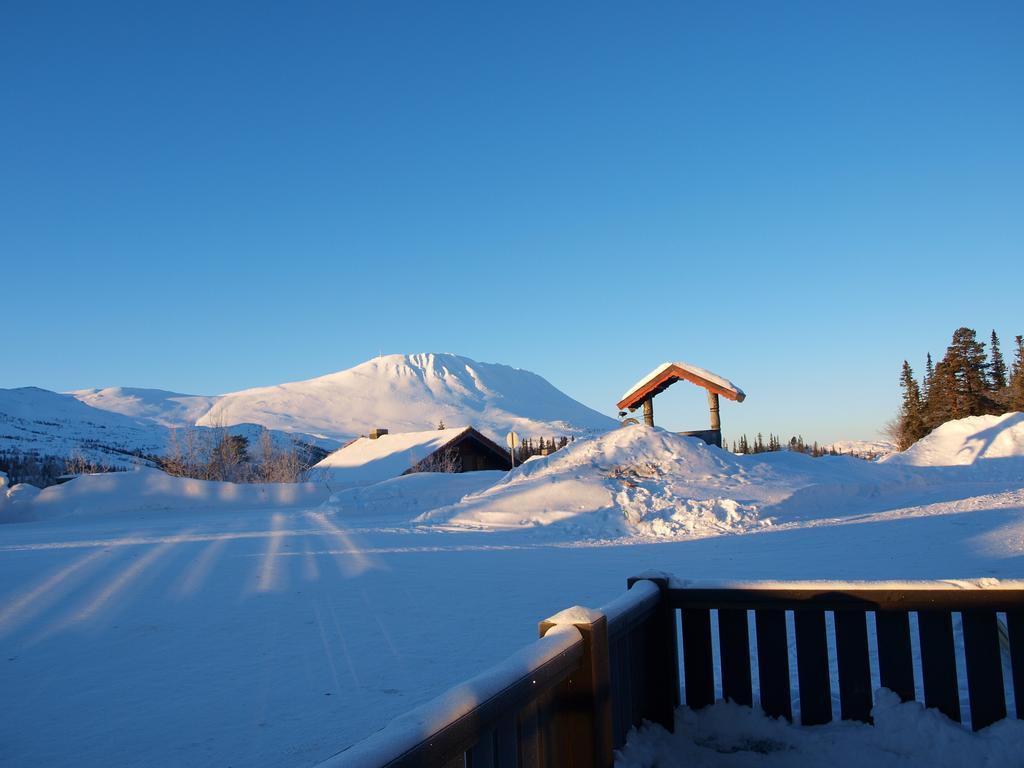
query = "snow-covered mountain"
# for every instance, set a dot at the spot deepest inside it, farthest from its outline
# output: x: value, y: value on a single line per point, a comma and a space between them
x: 865, y: 449
x: 38, y: 421
x: 399, y: 392
x: 34, y: 420
x: 171, y: 409
x: 406, y: 393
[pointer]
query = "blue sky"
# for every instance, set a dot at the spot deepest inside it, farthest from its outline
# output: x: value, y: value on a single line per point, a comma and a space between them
x: 210, y: 196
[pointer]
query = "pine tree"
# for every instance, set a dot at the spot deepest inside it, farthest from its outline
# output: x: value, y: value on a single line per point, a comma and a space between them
x: 997, y: 366
x: 1016, y: 393
x: 941, y: 405
x: 929, y: 372
x: 966, y: 360
x: 911, y: 423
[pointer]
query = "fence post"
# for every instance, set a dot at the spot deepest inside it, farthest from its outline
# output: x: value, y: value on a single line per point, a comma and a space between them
x: 586, y: 711
x: 662, y: 653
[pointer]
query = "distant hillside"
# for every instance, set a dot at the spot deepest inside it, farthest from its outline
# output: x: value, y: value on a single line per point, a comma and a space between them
x: 170, y: 409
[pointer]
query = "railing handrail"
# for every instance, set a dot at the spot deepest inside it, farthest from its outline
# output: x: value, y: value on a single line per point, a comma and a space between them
x: 631, y: 607
x: 451, y: 723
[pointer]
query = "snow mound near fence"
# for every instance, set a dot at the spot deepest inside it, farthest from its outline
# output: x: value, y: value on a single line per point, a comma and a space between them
x: 992, y: 443
x: 644, y: 481
x: 146, y: 491
x: 903, y: 734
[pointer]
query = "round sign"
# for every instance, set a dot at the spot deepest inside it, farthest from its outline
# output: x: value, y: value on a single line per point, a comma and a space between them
x: 512, y: 440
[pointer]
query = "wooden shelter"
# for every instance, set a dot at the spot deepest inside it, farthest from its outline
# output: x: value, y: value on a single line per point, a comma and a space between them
x: 664, y: 376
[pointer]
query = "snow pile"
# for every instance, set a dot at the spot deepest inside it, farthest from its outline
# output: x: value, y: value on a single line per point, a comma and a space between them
x: 985, y: 442
x: 644, y: 481
x: 904, y: 735
x: 148, y: 490
x: 410, y: 393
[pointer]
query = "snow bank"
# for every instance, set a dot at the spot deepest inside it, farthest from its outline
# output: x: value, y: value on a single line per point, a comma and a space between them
x: 904, y: 735
x: 149, y: 490
x: 991, y: 443
x: 412, y: 494
x: 644, y: 481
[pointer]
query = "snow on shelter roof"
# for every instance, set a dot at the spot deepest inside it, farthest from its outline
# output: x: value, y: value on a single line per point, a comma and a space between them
x: 667, y: 374
x: 365, y: 461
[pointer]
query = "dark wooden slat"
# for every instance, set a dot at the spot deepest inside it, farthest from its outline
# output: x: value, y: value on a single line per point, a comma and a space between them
x: 854, y: 667
x: 698, y: 664
x: 734, y: 642
x: 895, y: 660
x: 812, y: 668
x: 621, y: 689
x: 549, y: 714
x: 984, y: 670
x: 506, y: 743
x: 785, y: 598
x: 938, y: 662
x: 773, y: 663
x: 1015, y: 629
x: 482, y: 754
x: 529, y: 737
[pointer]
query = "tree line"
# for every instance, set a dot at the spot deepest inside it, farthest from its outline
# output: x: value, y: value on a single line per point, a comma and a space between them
x: 220, y: 455
x: 967, y: 381
x: 774, y: 443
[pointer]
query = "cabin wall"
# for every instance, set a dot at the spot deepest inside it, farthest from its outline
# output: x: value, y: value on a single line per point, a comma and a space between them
x: 476, y: 457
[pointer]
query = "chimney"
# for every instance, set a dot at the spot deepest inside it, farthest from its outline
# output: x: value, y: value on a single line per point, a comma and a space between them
x: 375, y: 433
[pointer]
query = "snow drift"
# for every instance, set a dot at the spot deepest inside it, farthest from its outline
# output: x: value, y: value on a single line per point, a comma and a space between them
x: 648, y: 482
x: 986, y: 442
x: 147, y: 491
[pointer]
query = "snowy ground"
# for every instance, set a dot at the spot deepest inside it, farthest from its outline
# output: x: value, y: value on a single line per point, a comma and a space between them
x: 269, y: 631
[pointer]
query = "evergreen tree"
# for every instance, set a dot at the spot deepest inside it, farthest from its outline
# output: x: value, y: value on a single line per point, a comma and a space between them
x: 941, y: 405
x: 997, y: 366
x: 911, y: 423
x: 965, y: 358
x: 1016, y: 393
x: 929, y: 371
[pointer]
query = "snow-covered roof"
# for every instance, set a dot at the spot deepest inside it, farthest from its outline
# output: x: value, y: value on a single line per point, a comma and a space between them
x: 365, y: 461
x: 671, y: 372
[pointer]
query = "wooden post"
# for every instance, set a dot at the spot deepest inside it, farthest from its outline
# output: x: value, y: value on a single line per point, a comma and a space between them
x: 588, y: 705
x: 649, y: 411
x: 716, y: 421
x: 661, y: 658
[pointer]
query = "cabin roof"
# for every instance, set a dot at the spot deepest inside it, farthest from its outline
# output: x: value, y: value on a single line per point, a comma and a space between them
x: 667, y: 374
x: 365, y: 461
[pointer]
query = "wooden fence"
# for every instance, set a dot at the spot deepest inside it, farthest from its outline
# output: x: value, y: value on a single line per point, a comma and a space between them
x: 571, y: 697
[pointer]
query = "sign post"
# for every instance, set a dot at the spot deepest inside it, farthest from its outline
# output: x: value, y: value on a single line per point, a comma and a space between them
x: 513, y: 441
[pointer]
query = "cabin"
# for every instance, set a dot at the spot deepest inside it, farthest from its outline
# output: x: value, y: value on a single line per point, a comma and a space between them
x: 641, y: 395
x: 382, y: 456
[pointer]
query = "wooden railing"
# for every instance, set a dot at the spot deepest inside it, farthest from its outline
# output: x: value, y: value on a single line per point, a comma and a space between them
x: 571, y: 697
x: 847, y: 607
